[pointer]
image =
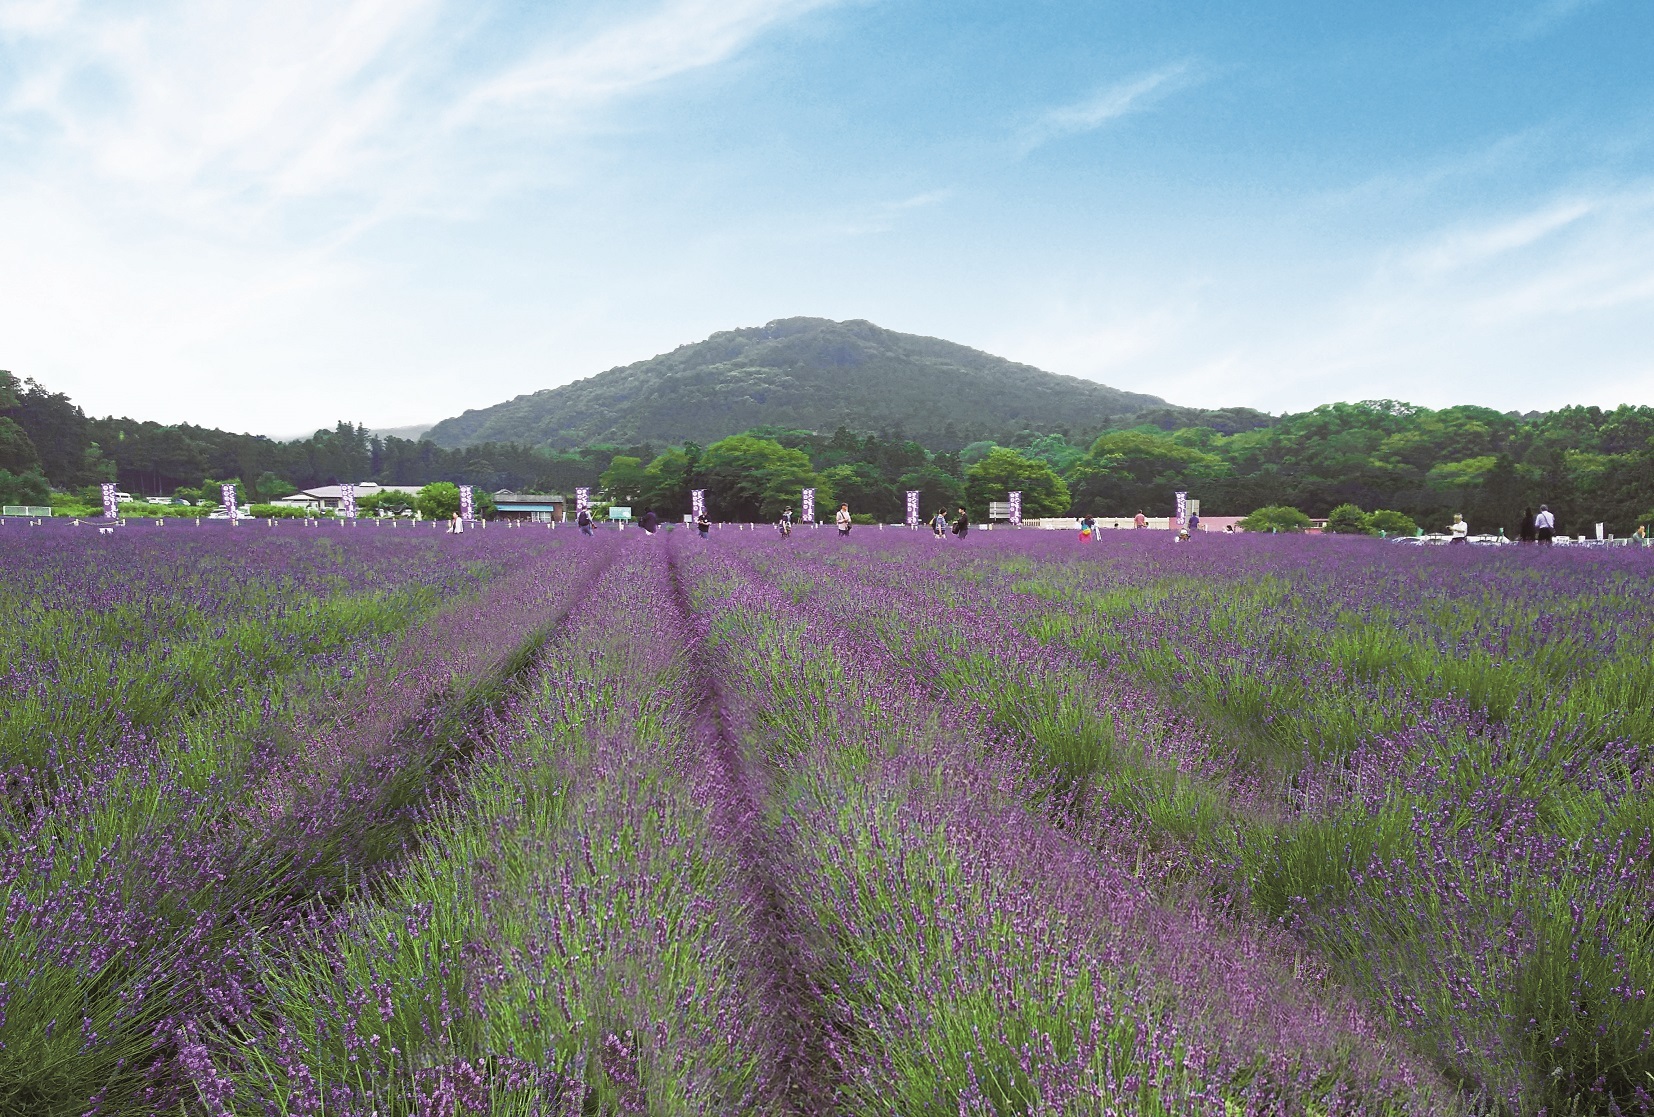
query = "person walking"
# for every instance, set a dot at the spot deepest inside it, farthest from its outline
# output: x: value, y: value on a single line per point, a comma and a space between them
x: 843, y: 520
x: 1544, y: 526
x: 784, y: 526
x: 456, y: 526
x: 650, y: 522
x: 939, y: 524
x: 1194, y: 522
x: 1088, y: 528
x: 1525, y: 530
x: 584, y: 519
x: 703, y: 525
x: 1140, y: 520
x: 962, y: 524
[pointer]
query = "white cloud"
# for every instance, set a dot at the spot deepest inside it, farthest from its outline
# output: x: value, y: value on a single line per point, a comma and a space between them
x: 185, y: 188
x: 1132, y: 95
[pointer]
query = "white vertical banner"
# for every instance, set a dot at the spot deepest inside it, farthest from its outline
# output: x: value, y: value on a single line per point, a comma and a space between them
x: 226, y: 497
x: 347, y: 501
x: 466, y: 507
x: 697, y: 503
x: 1015, y: 501
x: 809, y: 515
x: 1182, y: 510
x: 1599, y: 532
x: 913, y: 508
x: 111, y: 508
x: 582, y: 499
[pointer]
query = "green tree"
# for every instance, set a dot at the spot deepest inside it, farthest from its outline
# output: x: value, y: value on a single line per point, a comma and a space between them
x: 1386, y: 522
x: 271, y: 487
x: 669, y: 480
x: 753, y: 479
x: 1004, y: 470
x: 438, y: 500
x: 17, y: 452
x: 938, y: 489
x: 1348, y: 519
x: 28, y: 487
x: 859, y: 484
x: 625, y: 481
x: 387, y: 502
x: 1276, y: 517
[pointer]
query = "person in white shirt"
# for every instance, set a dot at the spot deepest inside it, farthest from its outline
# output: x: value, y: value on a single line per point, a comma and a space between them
x: 843, y: 520
x: 1460, y: 529
x: 1544, y: 525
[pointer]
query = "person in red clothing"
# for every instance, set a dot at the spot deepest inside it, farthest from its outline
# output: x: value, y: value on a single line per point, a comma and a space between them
x: 1140, y: 520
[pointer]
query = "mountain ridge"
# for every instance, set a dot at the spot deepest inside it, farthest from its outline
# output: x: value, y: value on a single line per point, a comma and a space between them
x: 808, y: 373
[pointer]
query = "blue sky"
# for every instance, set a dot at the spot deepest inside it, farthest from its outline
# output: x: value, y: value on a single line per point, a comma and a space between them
x: 268, y: 217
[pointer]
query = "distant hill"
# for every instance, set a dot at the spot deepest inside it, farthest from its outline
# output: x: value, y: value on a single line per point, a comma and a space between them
x: 804, y: 373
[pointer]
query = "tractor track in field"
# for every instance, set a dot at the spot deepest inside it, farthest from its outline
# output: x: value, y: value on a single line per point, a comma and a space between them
x: 804, y: 1075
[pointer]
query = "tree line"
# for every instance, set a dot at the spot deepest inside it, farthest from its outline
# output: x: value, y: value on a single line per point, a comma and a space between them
x: 1587, y: 463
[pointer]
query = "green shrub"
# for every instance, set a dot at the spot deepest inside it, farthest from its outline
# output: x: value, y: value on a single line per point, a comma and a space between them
x: 277, y: 512
x: 1276, y: 517
x: 1388, y: 522
x: 1348, y: 519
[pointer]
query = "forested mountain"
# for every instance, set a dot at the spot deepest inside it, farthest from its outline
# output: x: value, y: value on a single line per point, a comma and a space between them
x: 1587, y: 463
x: 799, y: 373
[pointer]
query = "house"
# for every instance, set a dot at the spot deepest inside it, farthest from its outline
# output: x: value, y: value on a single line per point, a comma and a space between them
x: 325, y: 498
x: 539, y: 508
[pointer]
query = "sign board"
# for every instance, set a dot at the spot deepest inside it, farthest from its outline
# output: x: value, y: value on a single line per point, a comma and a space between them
x: 913, y: 508
x: 1015, y: 501
x: 466, y: 505
x: 616, y: 512
x: 999, y: 510
x: 697, y: 503
x: 809, y: 516
x: 110, y: 508
x: 30, y: 510
x: 1182, y: 516
x: 226, y: 496
x: 582, y: 499
x: 347, y: 501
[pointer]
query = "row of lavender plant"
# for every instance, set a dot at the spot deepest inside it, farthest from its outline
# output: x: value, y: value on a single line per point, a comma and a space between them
x: 124, y: 875
x: 568, y: 939
x: 1465, y: 842
x: 974, y: 957
x: 106, y: 637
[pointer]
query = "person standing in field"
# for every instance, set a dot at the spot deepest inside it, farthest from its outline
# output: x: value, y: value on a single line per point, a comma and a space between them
x: 650, y: 522
x: 843, y: 520
x: 1525, y: 531
x: 1460, y: 529
x: 939, y: 524
x: 962, y: 525
x: 1544, y: 526
x: 1641, y: 534
x: 456, y: 526
x: 1194, y: 522
x: 1088, y: 529
x: 1140, y: 520
x: 703, y: 525
x: 584, y: 519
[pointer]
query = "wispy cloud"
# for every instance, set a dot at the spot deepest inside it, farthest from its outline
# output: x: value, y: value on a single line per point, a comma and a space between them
x: 1544, y: 17
x: 1111, y: 103
x: 187, y: 187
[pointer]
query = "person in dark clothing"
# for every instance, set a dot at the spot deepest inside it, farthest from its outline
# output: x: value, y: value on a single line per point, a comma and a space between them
x: 584, y: 519
x: 962, y: 524
x: 1526, y: 533
x: 703, y: 525
x: 650, y: 521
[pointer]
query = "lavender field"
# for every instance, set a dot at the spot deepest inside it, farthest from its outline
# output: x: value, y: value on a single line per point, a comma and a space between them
x: 520, y: 822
